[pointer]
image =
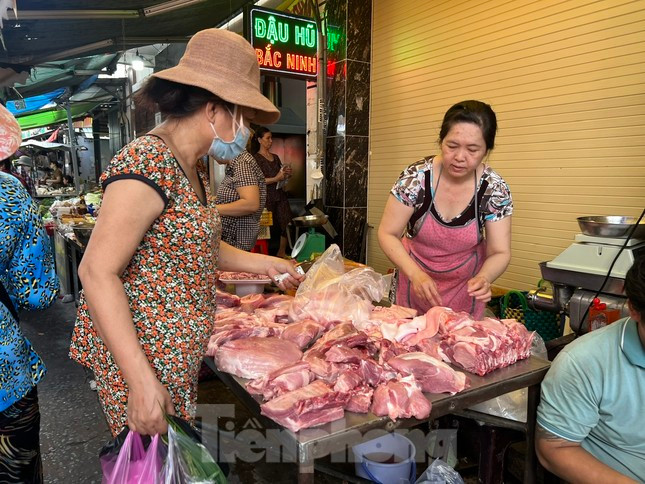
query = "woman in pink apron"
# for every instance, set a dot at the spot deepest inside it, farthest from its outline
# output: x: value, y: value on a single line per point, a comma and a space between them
x: 444, y: 203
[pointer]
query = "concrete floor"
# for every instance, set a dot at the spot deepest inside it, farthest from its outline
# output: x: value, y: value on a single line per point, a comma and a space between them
x: 73, y: 428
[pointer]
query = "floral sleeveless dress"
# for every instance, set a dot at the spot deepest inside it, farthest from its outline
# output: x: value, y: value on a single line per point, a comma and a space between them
x: 170, y: 284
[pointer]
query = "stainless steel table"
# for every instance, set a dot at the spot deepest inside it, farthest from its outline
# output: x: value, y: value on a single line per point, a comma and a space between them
x: 317, y: 442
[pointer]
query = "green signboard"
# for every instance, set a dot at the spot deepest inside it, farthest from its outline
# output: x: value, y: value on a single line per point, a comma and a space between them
x: 283, y: 43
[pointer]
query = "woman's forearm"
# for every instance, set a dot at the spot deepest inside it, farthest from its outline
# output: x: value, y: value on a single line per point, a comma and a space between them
x: 238, y: 208
x: 494, y: 266
x: 394, y: 250
x: 112, y: 319
x: 273, y: 179
x: 236, y: 260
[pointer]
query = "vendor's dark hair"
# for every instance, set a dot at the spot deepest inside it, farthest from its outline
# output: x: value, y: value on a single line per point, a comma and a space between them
x: 474, y: 112
x: 258, y: 133
x: 635, y: 286
x: 173, y: 98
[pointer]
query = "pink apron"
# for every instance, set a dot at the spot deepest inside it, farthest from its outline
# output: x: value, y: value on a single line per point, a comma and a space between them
x: 451, y: 256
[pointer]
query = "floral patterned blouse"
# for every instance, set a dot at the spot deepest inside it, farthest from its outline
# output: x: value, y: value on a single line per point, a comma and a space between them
x: 169, y: 282
x: 493, y: 196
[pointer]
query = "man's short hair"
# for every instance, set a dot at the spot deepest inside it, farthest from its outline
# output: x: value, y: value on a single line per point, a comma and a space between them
x: 635, y: 286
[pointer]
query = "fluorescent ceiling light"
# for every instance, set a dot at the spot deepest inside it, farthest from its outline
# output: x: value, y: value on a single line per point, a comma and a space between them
x: 168, y: 7
x: 75, y: 14
x: 137, y: 62
x: 74, y: 52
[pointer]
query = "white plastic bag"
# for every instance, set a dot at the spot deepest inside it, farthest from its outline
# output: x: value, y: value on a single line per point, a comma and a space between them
x: 440, y: 473
x: 188, y: 461
x: 330, y: 294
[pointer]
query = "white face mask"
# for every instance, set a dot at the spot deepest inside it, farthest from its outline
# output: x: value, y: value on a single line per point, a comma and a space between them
x: 227, y: 150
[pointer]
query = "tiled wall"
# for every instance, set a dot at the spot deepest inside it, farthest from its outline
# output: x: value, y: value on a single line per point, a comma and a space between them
x: 347, y: 144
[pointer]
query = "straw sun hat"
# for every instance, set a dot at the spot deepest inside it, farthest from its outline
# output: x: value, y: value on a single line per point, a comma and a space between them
x: 225, y: 64
x: 10, y: 134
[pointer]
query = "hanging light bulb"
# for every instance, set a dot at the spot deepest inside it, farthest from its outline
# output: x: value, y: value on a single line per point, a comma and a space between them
x: 137, y: 62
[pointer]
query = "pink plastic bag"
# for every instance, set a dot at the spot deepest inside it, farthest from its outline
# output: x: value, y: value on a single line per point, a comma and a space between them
x: 133, y: 464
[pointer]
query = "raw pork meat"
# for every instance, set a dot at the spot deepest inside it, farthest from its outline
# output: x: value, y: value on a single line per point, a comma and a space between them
x: 273, y: 301
x: 393, y: 312
x: 222, y: 336
x: 433, y: 375
x: 282, y: 380
x: 256, y: 357
x: 390, y: 349
x: 401, y: 399
x: 360, y: 400
x: 431, y: 347
x: 400, y: 329
x: 314, y: 404
x: 341, y: 353
x: 251, y: 302
x: 303, y: 332
x: 241, y: 276
x: 483, y: 346
x: 225, y: 299
x: 348, y: 380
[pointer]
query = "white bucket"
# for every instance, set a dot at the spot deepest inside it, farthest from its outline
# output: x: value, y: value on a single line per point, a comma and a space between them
x: 388, y: 447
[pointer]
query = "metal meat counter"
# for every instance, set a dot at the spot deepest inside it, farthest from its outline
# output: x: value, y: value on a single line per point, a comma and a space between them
x: 579, y: 272
x: 338, y: 436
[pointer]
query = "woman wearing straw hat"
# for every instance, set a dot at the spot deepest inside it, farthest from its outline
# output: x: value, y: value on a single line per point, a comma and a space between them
x: 148, y: 271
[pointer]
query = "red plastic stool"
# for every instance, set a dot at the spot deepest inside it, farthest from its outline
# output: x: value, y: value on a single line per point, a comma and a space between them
x: 261, y: 246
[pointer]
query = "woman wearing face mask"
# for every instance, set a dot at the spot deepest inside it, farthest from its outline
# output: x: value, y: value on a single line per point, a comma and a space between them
x: 444, y: 203
x: 148, y: 271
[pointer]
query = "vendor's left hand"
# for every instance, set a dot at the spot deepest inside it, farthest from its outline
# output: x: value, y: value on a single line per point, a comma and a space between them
x: 479, y: 288
x: 277, y: 266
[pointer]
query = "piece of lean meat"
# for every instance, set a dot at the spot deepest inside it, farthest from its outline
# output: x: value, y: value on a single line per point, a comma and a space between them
x: 282, y: 380
x: 433, y: 376
x: 360, y: 399
x: 311, y: 405
x: 401, y: 398
x: 303, y: 332
x: 256, y: 357
x: 226, y: 300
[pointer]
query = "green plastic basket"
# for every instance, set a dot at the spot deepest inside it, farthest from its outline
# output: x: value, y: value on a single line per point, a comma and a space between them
x: 545, y: 323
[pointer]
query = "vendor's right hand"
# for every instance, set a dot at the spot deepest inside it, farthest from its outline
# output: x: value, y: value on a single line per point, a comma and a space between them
x: 425, y: 288
x: 281, y: 175
x: 146, y: 406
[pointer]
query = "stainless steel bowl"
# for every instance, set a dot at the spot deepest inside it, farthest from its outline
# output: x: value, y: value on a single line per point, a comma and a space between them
x: 611, y: 226
x: 310, y: 220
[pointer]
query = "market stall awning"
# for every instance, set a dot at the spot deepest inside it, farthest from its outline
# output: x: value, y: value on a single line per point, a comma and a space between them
x: 27, y: 105
x: 47, y: 117
x: 47, y: 32
x: 44, y: 145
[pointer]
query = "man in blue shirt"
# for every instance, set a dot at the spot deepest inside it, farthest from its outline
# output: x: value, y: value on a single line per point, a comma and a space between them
x: 590, y: 419
x: 27, y: 280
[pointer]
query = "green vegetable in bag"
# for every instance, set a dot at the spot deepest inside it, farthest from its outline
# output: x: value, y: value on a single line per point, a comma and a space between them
x: 188, y: 461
